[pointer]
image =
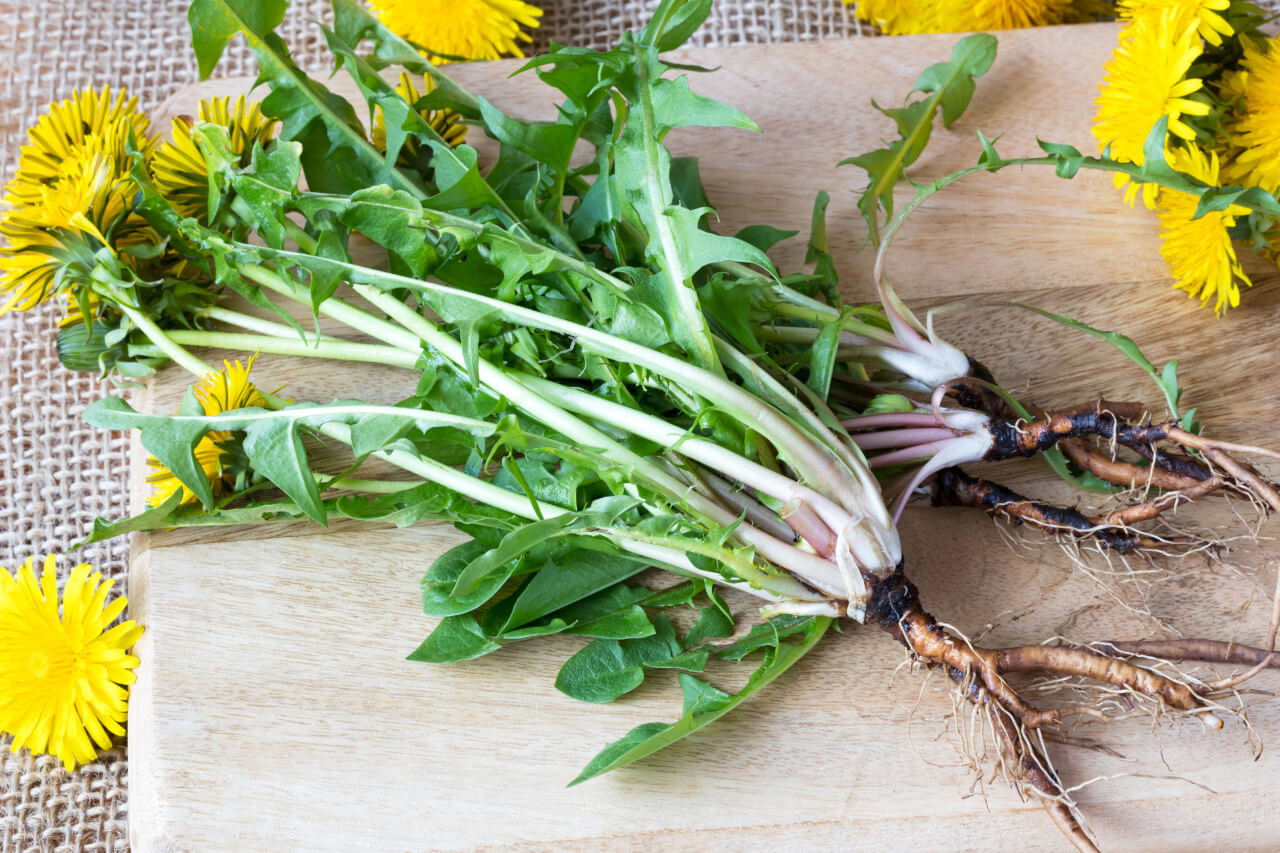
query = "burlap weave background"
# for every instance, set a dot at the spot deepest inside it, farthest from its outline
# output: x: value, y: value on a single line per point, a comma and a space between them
x: 57, y: 474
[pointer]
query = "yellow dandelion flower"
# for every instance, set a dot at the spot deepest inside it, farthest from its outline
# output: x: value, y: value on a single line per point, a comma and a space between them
x: 1257, y: 130
x: 88, y: 119
x: 955, y: 16
x: 217, y: 391
x: 72, y: 179
x: 904, y: 17
x: 29, y: 265
x: 1199, y: 251
x: 896, y: 17
x: 447, y: 123
x: 92, y: 191
x: 178, y: 168
x: 1205, y: 13
x: 64, y: 676
x: 1145, y: 79
x: 469, y: 29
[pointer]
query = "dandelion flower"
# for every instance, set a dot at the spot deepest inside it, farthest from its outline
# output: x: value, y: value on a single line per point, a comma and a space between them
x: 88, y: 119
x: 91, y: 193
x: 92, y: 189
x: 469, y: 29
x: 1199, y: 251
x: 903, y: 17
x: 964, y: 15
x: 178, y: 168
x: 1146, y: 79
x: 72, y: 179
x: 1210, y: 25
x: 64, y: 674
x: 217, y: 391
x: 896, y: 17
x: 447, y: 123
x: 1257, y: 129
x: 29, y: 265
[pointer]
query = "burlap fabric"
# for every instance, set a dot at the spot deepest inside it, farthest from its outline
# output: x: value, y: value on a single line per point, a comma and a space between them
x: 56, y: 473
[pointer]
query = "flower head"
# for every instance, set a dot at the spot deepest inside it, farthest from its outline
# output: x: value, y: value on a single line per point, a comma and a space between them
x: 447, y: 123
x: 217, y: 391
x: 1204, y: 13
x: 896, y: 17
x: 1199, y: 251
x: 1257, y: 129
x: 179, y: 169
x: 468, y: 29
x: 63, y: 672
x: 903, y: 17
x: 87, y: 120
x: 28, y: 265
x: 72, y: 185
x: 966, y: 15
x: 1145, y: 80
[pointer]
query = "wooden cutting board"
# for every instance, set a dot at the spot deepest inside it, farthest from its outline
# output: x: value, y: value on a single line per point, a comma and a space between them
x: 275, y: 709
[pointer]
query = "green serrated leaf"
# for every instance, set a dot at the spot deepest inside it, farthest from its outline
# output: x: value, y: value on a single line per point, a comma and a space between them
x: 674, y: 21
x: 703, y: 704
x: 568, y: 578
x: 438, y: 586
x: 170, y: 441
x: 676, y: 105
x: 215, y: 22
x: 600, y: 672
x: 952, y: 81
x: 456, y: 638
x: 151, y: 519
x: 764, y: 237
x: 950, y: 87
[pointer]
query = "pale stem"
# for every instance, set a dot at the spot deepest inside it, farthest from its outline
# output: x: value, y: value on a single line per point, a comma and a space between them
x: 343, y: 312
x: 520, y: 392
x: 739, y: 501
x: 708, y: 453
x: 906, y: 454
x: 372, y: 487
x: 167, y: 345
x: 901, y: 438
x: 451, y: 478
x: 799, y: 449
x: 811, y: 528
x: 325, y: 348
x: 253, y: 324
x: 892, y: 419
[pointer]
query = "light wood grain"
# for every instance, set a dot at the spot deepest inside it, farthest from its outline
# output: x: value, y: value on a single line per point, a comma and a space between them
x: 275, y: 710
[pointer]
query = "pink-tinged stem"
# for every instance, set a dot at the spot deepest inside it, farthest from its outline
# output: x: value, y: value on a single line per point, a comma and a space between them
x: 906, y: 454
x: 900, y: 438
x: 954, y: 452
x: 892, y: 419
x: 805, y: 521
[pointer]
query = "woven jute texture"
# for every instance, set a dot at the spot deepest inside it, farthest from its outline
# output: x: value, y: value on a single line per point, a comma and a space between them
x: 56, y: 473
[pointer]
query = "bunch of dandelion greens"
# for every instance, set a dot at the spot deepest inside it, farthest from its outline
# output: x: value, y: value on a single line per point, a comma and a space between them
x: 604, y: 384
